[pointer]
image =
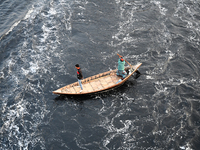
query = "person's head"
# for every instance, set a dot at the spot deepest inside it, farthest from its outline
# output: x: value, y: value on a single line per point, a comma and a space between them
x: 77, y: 66
x: 121, y: 59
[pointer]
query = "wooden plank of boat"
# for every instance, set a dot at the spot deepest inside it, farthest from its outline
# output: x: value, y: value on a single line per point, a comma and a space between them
x: 96, y: 83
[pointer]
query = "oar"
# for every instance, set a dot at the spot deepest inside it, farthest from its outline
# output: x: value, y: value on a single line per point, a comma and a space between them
x: 125, y: 60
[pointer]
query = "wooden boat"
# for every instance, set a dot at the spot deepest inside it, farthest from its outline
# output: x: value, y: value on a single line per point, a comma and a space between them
x: 97, y: 83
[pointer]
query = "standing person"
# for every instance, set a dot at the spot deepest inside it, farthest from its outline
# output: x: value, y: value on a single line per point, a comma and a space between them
x: 79, y: 76
x: 121, y: 72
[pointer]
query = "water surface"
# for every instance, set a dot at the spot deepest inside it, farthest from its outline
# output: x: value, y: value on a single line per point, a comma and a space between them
x: 41, y: 41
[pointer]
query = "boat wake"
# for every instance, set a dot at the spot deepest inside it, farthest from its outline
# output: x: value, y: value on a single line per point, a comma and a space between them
x: 158, y: 110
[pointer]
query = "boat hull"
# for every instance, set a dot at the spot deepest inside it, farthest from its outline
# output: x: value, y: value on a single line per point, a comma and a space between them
x: 97, y: 83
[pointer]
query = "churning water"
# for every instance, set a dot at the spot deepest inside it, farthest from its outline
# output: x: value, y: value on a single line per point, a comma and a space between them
x: 42, y: 40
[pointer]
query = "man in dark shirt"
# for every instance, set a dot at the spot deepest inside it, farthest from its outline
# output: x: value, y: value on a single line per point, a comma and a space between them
x: 79, y: 76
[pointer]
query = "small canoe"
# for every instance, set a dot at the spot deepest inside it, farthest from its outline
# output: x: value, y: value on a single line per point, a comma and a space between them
x: 97, y: 83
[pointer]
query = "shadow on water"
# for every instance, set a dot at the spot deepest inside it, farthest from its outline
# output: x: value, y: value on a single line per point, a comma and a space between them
x: 103, y: 94
x: 74, y: 97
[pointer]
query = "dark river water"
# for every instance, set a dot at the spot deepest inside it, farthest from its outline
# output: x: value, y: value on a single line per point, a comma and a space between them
x: 42, y: 40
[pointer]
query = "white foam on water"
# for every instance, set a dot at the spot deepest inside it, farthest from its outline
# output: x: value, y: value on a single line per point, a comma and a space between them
x: 10, y: 115
x: 117, y: 1
x: 33, y: 58
x: 186, y: 147
x: 115, y: 132
x: 25, y: 72
x: 27, y: 16
x: 149, y: 77
x: 29, y: 13
x: 33, y: 67
x: 52, y: 11
x: 128, y: 140
x: 162, y: 9
x: 46, y: 32
x: 12, y: 27
x: 36, y: 57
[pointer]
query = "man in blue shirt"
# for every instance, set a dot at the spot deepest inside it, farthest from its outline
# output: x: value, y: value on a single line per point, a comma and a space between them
x: 121, y: 72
